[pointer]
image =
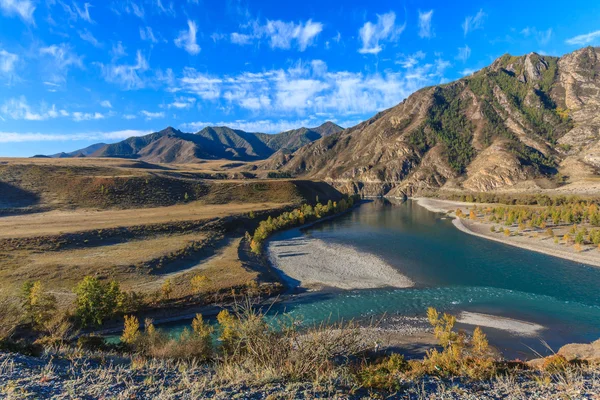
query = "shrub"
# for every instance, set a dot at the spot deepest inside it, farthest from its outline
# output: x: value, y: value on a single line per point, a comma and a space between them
x: 10, y: 315
x: 460, y: 356
x: 131, y: 330
x: 555, y: 364
x: 166, y: 289
x: 199, y: 283
x: 384, y: 374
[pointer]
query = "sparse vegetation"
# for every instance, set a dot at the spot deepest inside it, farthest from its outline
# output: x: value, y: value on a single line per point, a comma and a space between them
x: 298, y: 216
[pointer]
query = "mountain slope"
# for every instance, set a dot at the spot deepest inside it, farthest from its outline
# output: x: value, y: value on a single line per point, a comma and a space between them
x: 520, y: 118
x: 173, y: 146
x: 80, y: 153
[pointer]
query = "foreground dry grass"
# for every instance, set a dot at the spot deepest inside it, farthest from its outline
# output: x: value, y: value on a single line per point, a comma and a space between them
x: 121, y: 378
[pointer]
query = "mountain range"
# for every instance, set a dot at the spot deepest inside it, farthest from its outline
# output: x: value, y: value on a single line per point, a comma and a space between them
x: 173, y: 146
x: 532, y: 118
x: 524, y: 120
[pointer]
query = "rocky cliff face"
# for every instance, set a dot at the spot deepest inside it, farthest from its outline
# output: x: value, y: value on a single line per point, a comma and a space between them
x: 518, y: 119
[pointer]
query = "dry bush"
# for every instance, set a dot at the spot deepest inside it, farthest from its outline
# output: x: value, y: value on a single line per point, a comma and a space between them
x: 10, y: 316
x: 253, y: 349
x: 460, y: 355
x: 384, y: 374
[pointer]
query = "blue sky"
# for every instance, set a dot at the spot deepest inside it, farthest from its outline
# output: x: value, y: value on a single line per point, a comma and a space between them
x: 77, y: 72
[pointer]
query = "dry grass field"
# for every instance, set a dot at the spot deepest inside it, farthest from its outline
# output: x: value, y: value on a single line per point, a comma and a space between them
x: 138, y: 223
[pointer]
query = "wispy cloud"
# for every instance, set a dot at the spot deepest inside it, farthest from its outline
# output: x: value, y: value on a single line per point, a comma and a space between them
x: 81, y: 116
x: 128, y: 7
x: 187, y: 39
x: 89, y: 37
x: 106, y: 104
x: 265, y: 125
x: 19, y: 109
x: 542, y: 37
x: 463, y: 53
x: 21, y: 8
x: 425, y: 29
x: 129, y: 76
x: 309, y: 88
x: 169, y: 10
x: 384, y: 29
x: 14, y: 137
x: 58, y: 60
x: 182, y: 102
x: 473, y: 22
x: 152, y: 115
x: 280, y: 34
x: 8, y: 62
x: 582, y: 40
x: 147, y: 34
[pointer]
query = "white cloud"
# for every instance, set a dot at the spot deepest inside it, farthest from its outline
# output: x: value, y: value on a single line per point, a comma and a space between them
x: 19, y: 109
x: 8, y: 61
x: 89, y: 37
x: 411, y: 60
x: 118, y: 51
x: 582, y: 40
x: 265, y: 126
x: 81, y: 116
x: 152, y: 115
x: 147, y: 34
x: 542, y: 37
x: 182, y: 102
x: 58, y: 60
x: 309, y: 88
x: 106, y: 104
x: 128, y: 7
x: 84, y: 13
x: 241, y: 39
x: 14, y: 137
x: 170, y: 10
x: 128, y: 76
x: 22, y: 8
x: 281, y: 34
x: 425, y: 30
x: 129, y: 116
x: 384, y: 30
x: 473, y: 22
x: 187, y: 39
x: 463, y: 53
x: 468, y: 71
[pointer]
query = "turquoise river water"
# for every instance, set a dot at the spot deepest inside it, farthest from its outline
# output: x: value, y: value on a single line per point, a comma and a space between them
x: 455, y: 272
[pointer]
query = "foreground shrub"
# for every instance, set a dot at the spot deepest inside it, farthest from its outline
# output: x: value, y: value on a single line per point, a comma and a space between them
x: 460, y: 356
x: 384, y: 374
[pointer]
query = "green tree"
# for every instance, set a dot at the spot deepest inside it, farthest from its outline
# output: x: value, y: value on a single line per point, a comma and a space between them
x: 38, y: 305
x: 96, y: 301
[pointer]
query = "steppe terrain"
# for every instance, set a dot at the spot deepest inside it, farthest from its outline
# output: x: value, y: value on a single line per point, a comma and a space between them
x: 138, y: 223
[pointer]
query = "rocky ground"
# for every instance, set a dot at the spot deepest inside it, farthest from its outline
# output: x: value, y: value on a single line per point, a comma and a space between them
x: 117, y: 378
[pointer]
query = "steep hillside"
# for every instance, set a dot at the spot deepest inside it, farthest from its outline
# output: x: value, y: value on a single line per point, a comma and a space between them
x: 519, y: 119
x: 173, y: 146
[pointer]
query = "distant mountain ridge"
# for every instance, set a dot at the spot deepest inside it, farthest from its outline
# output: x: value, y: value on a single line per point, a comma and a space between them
x: 530, y: 120
x: 174, y: 146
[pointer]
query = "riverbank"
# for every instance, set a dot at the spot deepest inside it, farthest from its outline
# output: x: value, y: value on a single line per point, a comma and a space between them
x: 533, y: 240
x: 314, y: 264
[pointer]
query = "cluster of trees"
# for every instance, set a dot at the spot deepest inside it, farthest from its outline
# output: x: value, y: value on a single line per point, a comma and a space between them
x: 521, y: 199
x: 530, y: 217
x: 299, y: 216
